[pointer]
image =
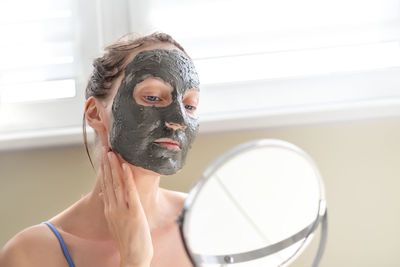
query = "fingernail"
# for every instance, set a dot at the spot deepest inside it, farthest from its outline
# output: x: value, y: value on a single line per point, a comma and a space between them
x: 124, y: 166
x: 109, y: 155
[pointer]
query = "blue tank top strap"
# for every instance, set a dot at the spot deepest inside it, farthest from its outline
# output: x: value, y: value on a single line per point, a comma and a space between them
x: 63, y: 246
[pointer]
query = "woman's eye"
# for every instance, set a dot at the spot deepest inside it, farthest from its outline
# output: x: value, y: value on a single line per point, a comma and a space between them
x: 152, y: 98
x: 191, y: 108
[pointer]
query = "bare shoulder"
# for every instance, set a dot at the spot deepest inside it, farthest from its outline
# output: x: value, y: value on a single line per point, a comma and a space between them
x: 34, y: 246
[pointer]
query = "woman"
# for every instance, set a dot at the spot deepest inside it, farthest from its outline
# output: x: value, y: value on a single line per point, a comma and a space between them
x: 141, y: 102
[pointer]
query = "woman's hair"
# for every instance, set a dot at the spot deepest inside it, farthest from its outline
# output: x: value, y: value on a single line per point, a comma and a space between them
x: 112, y: 64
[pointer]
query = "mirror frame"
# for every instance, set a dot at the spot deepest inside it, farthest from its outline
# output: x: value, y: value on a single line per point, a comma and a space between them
x: 306, y: 233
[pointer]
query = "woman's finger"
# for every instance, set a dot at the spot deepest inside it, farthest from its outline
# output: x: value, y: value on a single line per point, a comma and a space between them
x: 108, y: 183
x: 117, y: 175
x: 103, y: 189
x: 132, y: 198
x: 101, y: 178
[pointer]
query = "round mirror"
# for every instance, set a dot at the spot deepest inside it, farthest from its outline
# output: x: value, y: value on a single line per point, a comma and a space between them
x: 257, y: 205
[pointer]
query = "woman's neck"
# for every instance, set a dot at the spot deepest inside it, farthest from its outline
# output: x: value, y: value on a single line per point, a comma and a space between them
x: 90, y: 209
x: 147, y: 185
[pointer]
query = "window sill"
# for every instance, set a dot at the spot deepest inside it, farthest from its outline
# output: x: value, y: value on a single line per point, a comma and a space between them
x: 228, y: 122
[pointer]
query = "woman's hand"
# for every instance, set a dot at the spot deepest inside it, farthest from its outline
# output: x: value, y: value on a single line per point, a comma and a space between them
x: 124, y: 213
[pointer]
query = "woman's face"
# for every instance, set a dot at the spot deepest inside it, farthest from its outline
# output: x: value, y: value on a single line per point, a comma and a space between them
x: 153, y: 120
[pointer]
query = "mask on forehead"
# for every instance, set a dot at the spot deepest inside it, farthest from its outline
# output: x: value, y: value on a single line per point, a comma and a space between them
x: 135, y: 128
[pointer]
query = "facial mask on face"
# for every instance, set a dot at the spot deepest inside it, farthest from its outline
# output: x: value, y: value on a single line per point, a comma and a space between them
x: 135, y: 127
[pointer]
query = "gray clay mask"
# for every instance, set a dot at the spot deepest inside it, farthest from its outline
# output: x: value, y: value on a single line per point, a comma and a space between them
x: 135, y: 128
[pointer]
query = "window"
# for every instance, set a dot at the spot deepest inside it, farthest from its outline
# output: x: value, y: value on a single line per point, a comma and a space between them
x: 39, y: 60
x: 47, y: 48
x: 267, y: 63
x: 261, y: 63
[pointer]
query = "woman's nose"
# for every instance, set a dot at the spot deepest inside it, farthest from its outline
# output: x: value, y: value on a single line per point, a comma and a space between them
x: 175, y: 126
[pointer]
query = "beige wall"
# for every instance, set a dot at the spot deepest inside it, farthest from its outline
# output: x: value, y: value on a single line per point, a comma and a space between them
x: 360, y: 163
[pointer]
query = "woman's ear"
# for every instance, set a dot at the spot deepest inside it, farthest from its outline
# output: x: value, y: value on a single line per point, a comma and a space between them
x: 93, y: 114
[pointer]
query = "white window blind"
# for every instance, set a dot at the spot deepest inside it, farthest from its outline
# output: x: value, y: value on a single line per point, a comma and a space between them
x: 38, y: 64
x: 46, y: 50
x: 276, y: 60
x: 257, y: 39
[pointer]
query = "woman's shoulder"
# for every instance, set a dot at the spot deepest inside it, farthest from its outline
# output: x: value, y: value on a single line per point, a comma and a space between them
x: 33, y: 246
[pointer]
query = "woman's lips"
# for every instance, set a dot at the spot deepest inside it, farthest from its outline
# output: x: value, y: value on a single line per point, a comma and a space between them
x: 168, y: 143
